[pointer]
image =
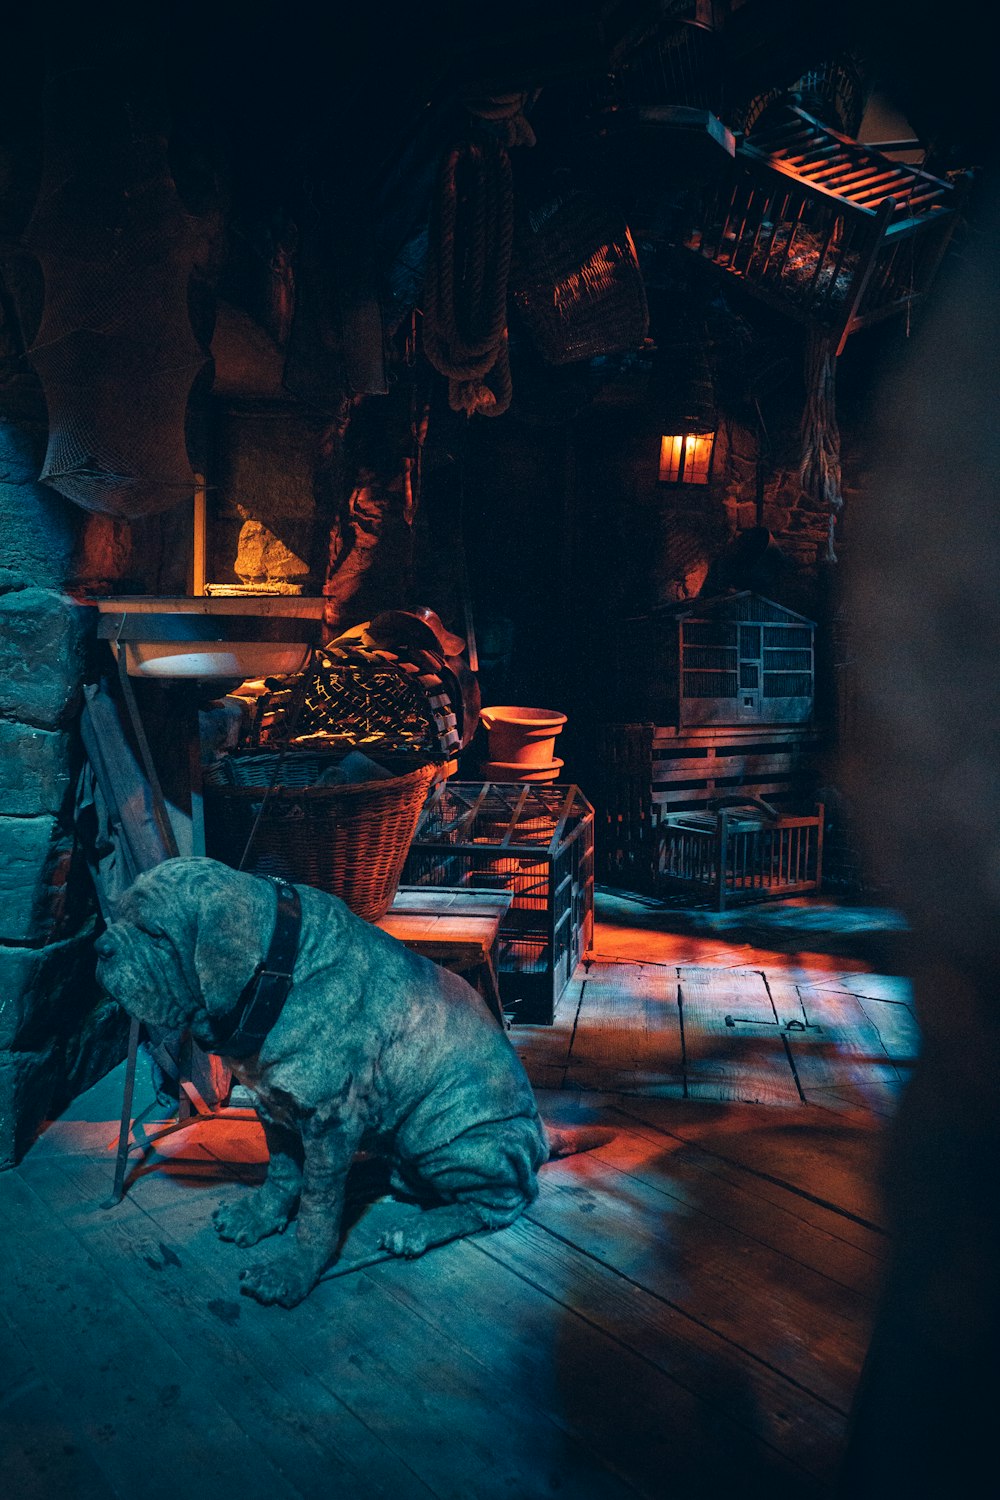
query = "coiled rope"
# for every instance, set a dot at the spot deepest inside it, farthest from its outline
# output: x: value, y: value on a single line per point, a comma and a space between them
x: 468, y: 264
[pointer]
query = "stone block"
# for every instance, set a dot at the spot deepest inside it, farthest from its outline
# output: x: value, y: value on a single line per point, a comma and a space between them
x: 41, y: 655
x: 37, y: 526
x: 45, y: 992
x: 34, y: 858
x: 34, y: 769
x: 28, y: 1084
x: 93, y: 1050
x: 22, y: 452
x: 58, y: 1035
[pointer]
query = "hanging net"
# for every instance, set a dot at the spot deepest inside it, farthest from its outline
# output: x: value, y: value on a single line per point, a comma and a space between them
x: 115, y: 351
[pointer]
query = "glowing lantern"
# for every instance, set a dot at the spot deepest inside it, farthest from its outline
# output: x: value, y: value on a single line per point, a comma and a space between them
x: 686, y: 458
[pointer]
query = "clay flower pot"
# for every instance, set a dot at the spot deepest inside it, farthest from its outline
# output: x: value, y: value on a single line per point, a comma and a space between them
x: 522, y: 736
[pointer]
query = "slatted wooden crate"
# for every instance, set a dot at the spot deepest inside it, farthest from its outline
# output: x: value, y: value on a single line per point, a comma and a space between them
x: 536, y: 841
x: 739, y: 854
x: 824, y: 228
x: 643, y: 772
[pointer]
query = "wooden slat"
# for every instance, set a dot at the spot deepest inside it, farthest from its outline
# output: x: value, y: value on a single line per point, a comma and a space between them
x: 733, y: 1048
x: 834, y: 1046
x: 628, y: 1031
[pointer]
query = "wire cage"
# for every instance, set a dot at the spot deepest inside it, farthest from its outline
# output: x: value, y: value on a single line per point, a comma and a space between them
x: 536, y: 841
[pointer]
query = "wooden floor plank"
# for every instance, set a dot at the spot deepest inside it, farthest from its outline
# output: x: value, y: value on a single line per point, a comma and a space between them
x: 761, y: 1170
x: 733, y: 1048
x: 834, y: 1046
x: 889, y: 987
x: 745, y: 1391
x: 706, y: 1185
x: 831, y: 1158
x: 446, y: 1414
x: 146, y: 1406
x: 897, y: 1028
x: 800, y: 1323
x: 243, y: 1345
x: 544, y: 1050
x: 43, y: 1457
x: 628, y: 1031
x: 632, y: 1420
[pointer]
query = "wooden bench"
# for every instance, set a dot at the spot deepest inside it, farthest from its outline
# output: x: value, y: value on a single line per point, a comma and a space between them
x: 456, y: 928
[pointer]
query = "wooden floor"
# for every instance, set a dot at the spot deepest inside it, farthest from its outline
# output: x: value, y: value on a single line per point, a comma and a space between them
x: 683, y: 1312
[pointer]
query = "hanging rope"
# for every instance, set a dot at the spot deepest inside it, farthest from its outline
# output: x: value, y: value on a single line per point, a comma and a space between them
x: 506, y: 111
x: 468, y: 263
x: 819, y: 470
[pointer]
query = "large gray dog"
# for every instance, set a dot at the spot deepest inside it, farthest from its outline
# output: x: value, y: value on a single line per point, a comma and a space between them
x: 373, y: 1041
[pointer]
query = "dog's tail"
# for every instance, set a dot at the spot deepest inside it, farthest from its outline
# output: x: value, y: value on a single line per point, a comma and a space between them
x: 568, y: 1142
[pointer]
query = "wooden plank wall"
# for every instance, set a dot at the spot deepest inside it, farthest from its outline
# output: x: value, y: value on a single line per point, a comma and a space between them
x: 647, y: 770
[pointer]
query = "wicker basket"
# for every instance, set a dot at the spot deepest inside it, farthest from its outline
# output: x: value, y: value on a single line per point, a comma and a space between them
x: 350, y: 840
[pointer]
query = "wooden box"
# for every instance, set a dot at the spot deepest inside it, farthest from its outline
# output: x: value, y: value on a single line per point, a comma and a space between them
x: 740, y: 854
x: 644, y: 772
x: 536, y: 841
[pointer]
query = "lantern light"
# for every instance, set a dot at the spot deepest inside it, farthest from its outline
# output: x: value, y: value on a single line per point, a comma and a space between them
x: 686, y: 458
x: 688, y: 412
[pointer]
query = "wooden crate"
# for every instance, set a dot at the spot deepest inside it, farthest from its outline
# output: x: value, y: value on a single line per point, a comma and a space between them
x: 643, y: 772
x: 828, y: 230
x: 739, y: 854
x: 536, y: 841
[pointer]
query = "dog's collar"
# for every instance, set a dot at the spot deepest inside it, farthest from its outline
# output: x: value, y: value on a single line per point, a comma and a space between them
x: 241, y: 1031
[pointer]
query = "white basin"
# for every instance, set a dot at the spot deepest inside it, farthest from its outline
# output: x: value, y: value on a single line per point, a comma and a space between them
x: 201, y: 636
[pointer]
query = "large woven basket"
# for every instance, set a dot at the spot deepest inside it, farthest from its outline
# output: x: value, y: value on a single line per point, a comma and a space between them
x: 349, y: 840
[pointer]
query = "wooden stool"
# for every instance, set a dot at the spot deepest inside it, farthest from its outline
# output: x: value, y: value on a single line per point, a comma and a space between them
x: 457, y: 928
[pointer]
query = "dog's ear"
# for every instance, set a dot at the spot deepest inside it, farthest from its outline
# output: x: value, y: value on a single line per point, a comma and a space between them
x: 235, y: 921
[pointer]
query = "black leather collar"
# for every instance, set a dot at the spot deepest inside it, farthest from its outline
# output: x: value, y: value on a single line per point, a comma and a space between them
x: 241, y: 1031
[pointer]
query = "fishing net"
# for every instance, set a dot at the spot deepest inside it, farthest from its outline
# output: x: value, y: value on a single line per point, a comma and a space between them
x: 115, y: 350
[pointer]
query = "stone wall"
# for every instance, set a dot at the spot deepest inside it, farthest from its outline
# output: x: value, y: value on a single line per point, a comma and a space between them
x: 56, y: 1037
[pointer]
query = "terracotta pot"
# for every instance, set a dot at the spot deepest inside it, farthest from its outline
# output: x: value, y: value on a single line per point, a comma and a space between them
x: 500, y: 770
x: 522, y: 736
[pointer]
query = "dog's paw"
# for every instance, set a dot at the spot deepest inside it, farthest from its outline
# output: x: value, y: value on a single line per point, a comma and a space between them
x: 284, y: 1281
x: 409, y: 1242
x: 249, y: 1220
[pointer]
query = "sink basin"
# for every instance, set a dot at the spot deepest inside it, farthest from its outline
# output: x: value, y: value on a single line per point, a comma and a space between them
x: 201, y: 637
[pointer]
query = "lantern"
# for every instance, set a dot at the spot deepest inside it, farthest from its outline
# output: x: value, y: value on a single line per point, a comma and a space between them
x: 686, y: 457
x: 688, y: 442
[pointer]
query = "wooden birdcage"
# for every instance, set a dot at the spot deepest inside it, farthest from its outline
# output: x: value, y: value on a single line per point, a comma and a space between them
x: 827, y: 229
x: 737, y: 659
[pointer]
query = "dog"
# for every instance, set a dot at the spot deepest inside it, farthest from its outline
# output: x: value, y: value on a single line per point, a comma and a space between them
x: 373, y: 1043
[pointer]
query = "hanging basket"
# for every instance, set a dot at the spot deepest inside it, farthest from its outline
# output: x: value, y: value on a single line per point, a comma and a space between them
x: 350, y: 840
x: 575, y: 281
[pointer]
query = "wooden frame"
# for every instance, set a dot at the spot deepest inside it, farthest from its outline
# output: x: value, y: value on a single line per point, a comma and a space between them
x: 825, y: 228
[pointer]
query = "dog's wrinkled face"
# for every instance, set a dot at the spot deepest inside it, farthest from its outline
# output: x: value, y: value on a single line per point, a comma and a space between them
x: 186, y: 939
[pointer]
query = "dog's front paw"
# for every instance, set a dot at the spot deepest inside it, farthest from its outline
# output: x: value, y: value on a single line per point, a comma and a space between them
x: 409, y: 1242
x: 285, y: 1281
x: 249, y: 1220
